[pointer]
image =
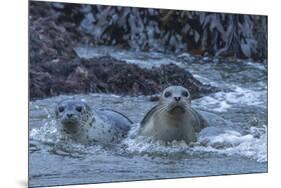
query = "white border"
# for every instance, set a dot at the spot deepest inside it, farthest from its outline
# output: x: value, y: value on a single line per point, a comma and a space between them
x: 14, y: 92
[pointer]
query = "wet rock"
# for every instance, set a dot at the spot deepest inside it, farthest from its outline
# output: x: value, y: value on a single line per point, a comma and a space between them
x: 108, y: 75
x: 50, y: 37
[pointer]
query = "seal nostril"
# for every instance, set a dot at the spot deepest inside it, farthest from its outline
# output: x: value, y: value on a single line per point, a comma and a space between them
x: 69, y: 115
x: 177, y: 98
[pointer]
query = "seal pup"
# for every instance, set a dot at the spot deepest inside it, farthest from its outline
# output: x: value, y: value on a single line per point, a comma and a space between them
x: 79, y: 122
x: 173, y: 118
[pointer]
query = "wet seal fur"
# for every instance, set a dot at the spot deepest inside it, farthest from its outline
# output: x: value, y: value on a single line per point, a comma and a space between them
x: 173, y: 118
x: 79, y: 122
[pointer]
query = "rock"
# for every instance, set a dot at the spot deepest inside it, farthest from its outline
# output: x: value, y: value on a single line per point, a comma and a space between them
x: 108, y: 75
x: 50, y: 36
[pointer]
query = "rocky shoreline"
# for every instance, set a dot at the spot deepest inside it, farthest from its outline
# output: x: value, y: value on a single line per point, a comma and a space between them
x: 55, y: 68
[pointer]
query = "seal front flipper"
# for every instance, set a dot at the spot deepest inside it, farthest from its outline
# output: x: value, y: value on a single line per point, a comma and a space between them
x: 148, y: 115
x: 201, y: 121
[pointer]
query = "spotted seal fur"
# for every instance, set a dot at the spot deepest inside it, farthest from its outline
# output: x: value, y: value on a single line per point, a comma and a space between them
x: 79, y: 122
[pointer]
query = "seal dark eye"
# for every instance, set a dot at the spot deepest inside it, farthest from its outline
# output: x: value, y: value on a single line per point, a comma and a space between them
x: 61, y: 109
x: 185, y: 93
x: 168, y: 94
x: 79, y: 108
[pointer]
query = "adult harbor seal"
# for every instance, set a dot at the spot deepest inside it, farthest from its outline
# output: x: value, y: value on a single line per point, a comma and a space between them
x: 79, y: 122
x: 173, y: 118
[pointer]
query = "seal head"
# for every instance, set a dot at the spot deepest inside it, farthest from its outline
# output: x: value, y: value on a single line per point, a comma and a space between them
x: 173, y: 118
x: 72, y: 115
x: 175, y: 100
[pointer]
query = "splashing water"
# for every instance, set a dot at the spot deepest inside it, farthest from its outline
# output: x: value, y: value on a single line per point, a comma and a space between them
x: 238, y: 147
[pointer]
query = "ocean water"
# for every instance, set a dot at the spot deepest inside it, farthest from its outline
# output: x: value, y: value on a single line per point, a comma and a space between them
x: 239, y: 146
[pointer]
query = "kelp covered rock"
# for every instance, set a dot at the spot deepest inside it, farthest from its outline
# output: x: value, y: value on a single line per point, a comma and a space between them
x: 218, y: 34
x: 107, y: 75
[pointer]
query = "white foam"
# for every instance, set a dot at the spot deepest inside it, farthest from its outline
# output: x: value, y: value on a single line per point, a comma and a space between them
x: 223, y: 101
x: 47, y: 133
x: 245, y: 96
x: 234, y: 143
x: 229, y: 143
x: 256, y: 65
x: 217, y: 105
